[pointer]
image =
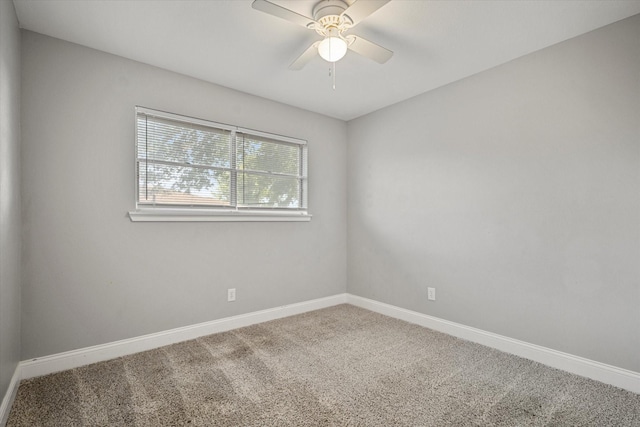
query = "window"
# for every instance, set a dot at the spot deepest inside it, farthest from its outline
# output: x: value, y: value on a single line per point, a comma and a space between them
x: 191, y: 169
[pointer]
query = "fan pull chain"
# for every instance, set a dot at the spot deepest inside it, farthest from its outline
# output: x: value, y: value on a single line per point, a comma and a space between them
x: 332, y: 74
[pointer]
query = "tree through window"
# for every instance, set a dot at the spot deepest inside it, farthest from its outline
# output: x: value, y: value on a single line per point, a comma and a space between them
x: 184, y: 162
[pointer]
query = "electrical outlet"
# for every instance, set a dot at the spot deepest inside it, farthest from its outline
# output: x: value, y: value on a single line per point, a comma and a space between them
x: 231, y: 294
x: 431, y: 294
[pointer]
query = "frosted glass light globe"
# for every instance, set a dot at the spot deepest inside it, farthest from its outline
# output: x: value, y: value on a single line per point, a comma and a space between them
x: 332, y: 49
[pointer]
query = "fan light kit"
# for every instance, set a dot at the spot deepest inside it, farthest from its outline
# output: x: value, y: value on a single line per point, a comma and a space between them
x: 331, y: 19
x: 332, y: 49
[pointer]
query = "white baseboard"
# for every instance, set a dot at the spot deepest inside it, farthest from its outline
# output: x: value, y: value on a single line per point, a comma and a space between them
x: 602, y: 372
x: 9, y: 396
x: 85, y: 356
x: 618, y: 377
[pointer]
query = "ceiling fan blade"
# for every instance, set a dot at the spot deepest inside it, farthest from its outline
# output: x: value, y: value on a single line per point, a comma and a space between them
x: 363, y: 8
x: 281, y: 12
x: 306, y: 56
x: 370, y: 50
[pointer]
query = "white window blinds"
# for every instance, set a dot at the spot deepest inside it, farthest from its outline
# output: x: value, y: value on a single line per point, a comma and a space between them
x: 183, y: 162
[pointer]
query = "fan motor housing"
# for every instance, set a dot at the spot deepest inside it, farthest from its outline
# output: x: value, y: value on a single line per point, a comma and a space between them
x: 329, y: 8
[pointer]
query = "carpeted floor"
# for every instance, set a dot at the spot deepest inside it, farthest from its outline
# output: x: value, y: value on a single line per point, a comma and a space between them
x: 341, y: 366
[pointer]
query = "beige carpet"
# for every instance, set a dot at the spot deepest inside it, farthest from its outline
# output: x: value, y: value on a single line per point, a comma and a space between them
x: 341, y: 366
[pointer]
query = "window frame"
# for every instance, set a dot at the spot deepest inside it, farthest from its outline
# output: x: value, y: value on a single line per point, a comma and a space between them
x: 163, y: 213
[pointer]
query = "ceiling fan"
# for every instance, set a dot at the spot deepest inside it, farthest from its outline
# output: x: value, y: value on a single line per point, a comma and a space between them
x: 332, y: 19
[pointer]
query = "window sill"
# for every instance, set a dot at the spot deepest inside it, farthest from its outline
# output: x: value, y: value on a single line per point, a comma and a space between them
x: 184, y: 215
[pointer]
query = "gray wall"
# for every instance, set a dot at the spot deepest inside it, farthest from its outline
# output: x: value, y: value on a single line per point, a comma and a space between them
x: 515, y: 194
x: 91, y: 276
x: 9, y: 194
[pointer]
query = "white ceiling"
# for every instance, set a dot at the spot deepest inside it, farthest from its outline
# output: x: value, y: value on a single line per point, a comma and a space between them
x: 229, y: 43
